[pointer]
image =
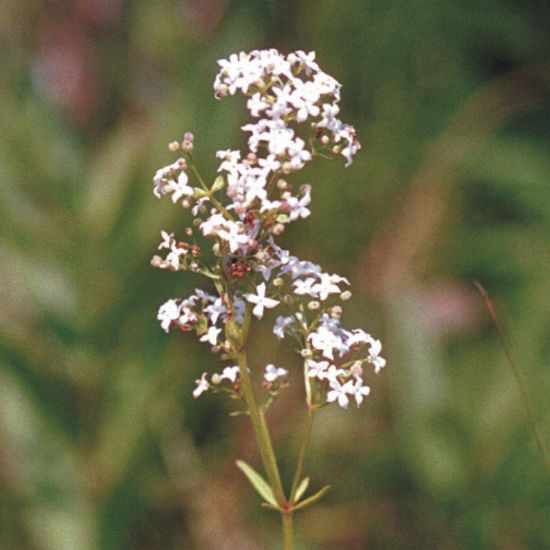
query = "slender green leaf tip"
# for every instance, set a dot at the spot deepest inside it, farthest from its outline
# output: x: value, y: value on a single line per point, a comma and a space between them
x: 258, y: 482
x: 304, y: 484
x: 311, y: 500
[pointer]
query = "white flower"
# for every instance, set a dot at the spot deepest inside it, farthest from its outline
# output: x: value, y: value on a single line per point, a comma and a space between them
x: 333, y: 373
x: 167, y: 240
x: 305, y: 286
x: 317, y: 369
x: 358, y: 390
x: 326, y: 341
x: 357, y: 336
x: 272, y: 373
x: 202, y: 386
x: 211, y: 335
x: 298, y: 207
x: 256, y: 104
x: 326, y: 286
x: 214, y: 310
x: 374, y: 356
x: 340, y: 392
x: 173, y: 258
x: 260, y: 300
x: 180, y: 188
x: 168, y: 312
x: 231, y: 233
x: 213, y: 224
x: 230, y: 373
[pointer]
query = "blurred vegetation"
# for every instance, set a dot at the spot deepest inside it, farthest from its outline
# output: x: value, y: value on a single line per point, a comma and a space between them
x: 101, y: 443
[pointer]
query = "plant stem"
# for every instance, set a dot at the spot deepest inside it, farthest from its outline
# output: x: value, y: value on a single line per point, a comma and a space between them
x: 288, y: 531
x: 302, y: 455
x: 202, y: 183
x: 263, y: 439
x: 260, y: 431
x: 237, y: 336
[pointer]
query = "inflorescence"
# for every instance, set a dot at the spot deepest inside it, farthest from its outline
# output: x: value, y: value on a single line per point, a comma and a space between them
x: 294, y: 106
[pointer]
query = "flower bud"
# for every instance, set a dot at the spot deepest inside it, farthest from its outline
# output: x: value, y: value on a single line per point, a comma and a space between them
x: 282, y: 184
x: 188, y: 231
x: 261, y: 256
x: 278, y: 229
x: 221, y: 92
x: 173, y: 146
x: 356, y: 369
x: 216, y: 379
x: 325, y: 140
x: 278, y: 282
x: 156, y: 261
x: 306, y: 353
x: 345, y: 296
x: 313, y: 305
x: 336, y: 312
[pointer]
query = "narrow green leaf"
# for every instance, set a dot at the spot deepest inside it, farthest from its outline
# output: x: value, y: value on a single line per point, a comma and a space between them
x: 304, y: 484
x: 258, y: 482
x: 313, y: 499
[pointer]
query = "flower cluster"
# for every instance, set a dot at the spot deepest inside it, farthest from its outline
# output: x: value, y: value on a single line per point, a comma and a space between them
x: 243, y: 211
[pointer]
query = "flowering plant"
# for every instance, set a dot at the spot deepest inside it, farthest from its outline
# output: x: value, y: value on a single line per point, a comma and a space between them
x: 241, y: 213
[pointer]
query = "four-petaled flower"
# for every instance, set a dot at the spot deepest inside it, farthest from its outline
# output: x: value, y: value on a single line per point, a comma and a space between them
x: 261, y: 301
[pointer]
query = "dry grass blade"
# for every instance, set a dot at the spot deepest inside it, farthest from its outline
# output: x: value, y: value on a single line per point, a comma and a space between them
x: 521, y: 385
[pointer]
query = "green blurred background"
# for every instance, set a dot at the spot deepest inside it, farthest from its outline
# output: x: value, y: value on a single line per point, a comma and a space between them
x: 101, y: 443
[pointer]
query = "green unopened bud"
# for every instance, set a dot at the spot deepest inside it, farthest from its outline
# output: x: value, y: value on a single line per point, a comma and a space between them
x: 218, y: 184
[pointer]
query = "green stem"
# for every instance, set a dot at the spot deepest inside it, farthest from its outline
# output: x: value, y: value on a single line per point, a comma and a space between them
x: 288, y: 531
x: 208, y: 191
x: 261, y: 431
x: 302, y: 455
